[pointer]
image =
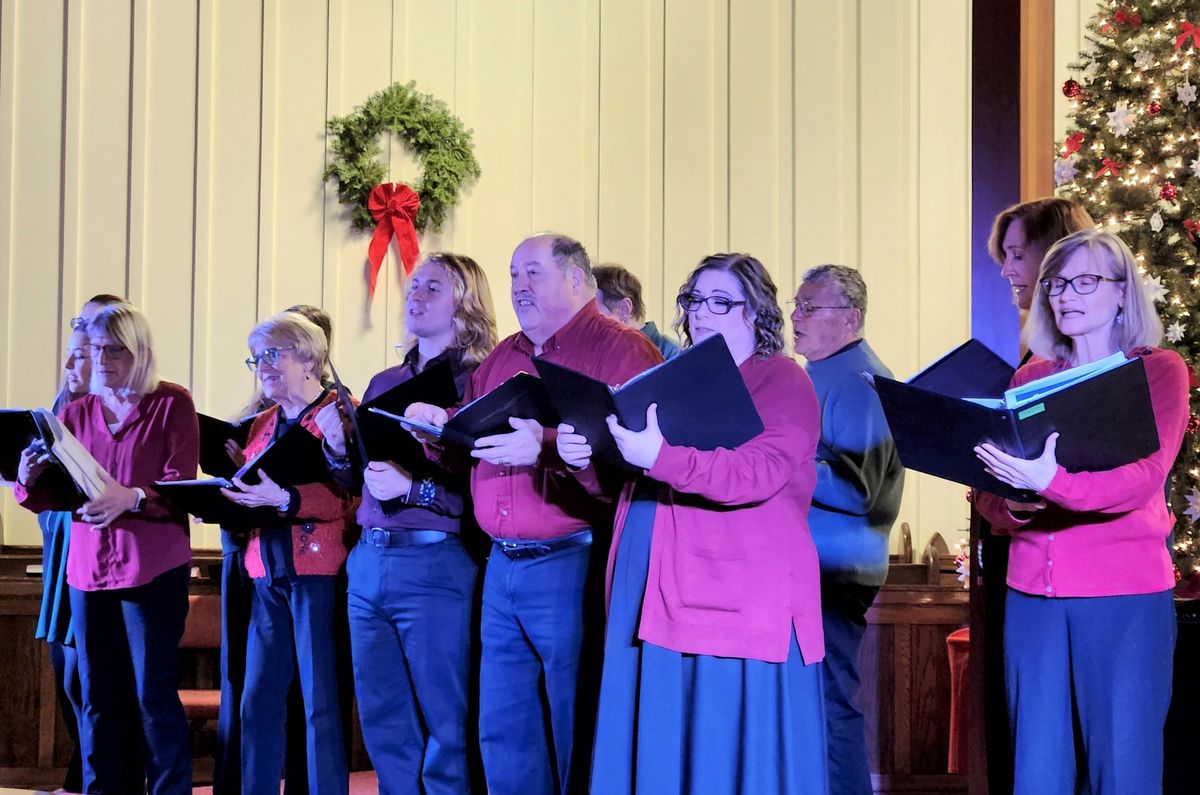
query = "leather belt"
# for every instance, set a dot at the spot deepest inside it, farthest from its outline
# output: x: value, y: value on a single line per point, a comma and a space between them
x: 537, y: 548
x: 384, y: 537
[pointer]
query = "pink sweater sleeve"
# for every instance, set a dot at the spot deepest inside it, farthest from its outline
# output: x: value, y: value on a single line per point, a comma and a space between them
x: 754, y: 471
x: 1128, y: 487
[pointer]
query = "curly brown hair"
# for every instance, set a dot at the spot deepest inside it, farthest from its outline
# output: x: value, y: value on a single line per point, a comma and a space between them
x: 762, y: 300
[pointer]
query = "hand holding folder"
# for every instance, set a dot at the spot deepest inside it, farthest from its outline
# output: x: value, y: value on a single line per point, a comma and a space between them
x: 522, y: 397
x: 294, y: 459
x: 20, y: 428
x: 702, y: 401
x: 1103, y: 416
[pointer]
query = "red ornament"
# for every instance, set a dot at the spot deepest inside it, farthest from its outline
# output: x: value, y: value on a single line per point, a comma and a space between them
x: 1128, y: 17
x: 1154, y: 108
x: 1071, y: 89
x: 1168, y: 191
x: 1072, y: 143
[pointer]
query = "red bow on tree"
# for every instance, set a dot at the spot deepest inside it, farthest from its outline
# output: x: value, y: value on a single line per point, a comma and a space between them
x: 1110, y: 167
x: 1192, y: 228
x: 1072, y: 144
x: 1128, y: 17
x: 1187, y: 30
x: 394, y: 207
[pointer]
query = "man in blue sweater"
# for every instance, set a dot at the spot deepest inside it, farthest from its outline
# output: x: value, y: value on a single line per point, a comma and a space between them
x: 857, y: 497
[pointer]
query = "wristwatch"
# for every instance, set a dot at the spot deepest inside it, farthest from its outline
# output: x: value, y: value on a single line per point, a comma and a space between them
x: 140, y: 501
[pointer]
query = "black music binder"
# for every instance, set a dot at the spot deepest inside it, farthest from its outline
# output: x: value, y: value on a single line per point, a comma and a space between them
x: 387, y: 441
x: 1104, y: 421
x: 702, y: 401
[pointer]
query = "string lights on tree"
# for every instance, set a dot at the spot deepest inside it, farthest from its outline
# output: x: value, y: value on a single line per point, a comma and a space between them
x: 1131, y: 156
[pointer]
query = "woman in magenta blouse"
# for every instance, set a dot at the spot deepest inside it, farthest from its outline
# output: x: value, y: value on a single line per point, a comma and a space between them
x: 1090, y: 623
x: 712, y: 675
x: 130, y: 554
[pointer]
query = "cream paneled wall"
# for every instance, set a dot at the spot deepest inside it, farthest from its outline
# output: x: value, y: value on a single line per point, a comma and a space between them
x: 172, y: 150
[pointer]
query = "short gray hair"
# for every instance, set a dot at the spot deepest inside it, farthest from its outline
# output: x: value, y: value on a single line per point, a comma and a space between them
x: 293, y: 328
x: 848, y: 281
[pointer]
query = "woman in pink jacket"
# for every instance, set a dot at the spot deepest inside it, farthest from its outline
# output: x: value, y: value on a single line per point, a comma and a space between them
x: 1090, y: 624
x: 711, y: 679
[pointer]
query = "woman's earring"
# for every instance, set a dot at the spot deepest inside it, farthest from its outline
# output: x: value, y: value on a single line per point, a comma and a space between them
x: 1120, y: 315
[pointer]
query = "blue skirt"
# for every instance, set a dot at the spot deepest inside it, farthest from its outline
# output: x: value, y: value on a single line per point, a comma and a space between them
x: 689, y: 723
x: 54, y: 617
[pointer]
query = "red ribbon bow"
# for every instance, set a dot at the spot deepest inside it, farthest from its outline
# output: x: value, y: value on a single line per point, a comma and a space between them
x: 1128, y: 17
x: 1110, y: 167
x: 1187, y: 30
x: 1072, y: 144
x: 1192, y: 227
x: 394, y: 207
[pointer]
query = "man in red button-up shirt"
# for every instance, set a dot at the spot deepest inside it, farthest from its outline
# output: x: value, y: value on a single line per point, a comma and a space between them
x: 535, y: 625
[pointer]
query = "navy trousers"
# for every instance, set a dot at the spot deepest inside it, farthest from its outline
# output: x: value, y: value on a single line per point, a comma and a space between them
x: 291, y: 628
x: 236, y: 588
x: 1089, y: 684
x: 410, y: 612
x: 132, y: 635
x: 536, y: 705
x: 844, y: 617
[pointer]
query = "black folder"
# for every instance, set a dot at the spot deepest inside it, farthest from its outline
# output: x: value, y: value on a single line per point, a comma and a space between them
x: 702, y: 401
x: 214, y: 433
x: 293, y: 459
x: 387, y: 441
x: 18, y: 429
x: 1104, y: 422
x: 523, y: 396
x: 970, y: 370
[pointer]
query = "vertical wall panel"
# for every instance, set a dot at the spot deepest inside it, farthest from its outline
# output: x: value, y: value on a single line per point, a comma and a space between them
x: 360, y: 58
x: 565, y: 107
x: 33, y: 86
x: 497, y: 101
x: 631, y: 147
x: 162, y: 193
x: 760, y: 135
x: 99, y: 149
x: 695, y: 135
x: 942, y: 277
x: 825, y: 123
x: 293, y: 145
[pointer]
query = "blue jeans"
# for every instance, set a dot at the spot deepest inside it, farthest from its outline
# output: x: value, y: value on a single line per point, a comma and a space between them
x: 844, y: 618
x: 132, y: 635
x: 291, y: 628
x: 536, y: 705
x: 410, y: 630
x: 1089, y: 684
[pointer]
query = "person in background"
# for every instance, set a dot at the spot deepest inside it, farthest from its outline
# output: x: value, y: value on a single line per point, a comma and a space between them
x: 712, y: 658
x: 542, y: 616
x: 1089, y: 631
x: 619, y: 295
x: 236, y: 588
x: 855, y: 502
x: 1020, y: 237
x: 129, y: 556
x: 54, y: 616
x: 293, y: 564
x: 412, y: 584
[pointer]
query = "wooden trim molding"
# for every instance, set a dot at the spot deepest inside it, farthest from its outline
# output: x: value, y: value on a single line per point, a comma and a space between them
x: 1037, y: 99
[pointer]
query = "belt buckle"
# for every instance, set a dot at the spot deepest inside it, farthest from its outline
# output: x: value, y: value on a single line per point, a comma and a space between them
x: 379, y: 537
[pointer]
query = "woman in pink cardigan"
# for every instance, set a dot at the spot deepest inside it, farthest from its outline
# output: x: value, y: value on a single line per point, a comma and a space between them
x: 712, y: 681
x: 1090, y: 623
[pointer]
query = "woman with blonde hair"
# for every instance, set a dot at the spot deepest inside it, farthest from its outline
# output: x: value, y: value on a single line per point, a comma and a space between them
x: 293, y: 562
x: 129, y: 556
x: 412, y: 584
x: 1089, y: 621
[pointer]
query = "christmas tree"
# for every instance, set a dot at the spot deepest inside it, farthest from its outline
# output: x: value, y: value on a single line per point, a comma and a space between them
x: 1132, y: 158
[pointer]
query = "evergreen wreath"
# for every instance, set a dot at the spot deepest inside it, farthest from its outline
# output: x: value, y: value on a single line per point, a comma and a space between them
x: 434, y: 135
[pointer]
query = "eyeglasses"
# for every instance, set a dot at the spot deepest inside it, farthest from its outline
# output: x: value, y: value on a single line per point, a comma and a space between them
x: 111, y: 351
x: 269, y: 355
x: 76, y: 323
x: 717, y: 304
x: 808, y: 309
x: 1083, y: 284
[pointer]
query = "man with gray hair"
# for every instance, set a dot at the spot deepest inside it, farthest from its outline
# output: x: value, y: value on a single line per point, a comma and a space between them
x: 856, y: 500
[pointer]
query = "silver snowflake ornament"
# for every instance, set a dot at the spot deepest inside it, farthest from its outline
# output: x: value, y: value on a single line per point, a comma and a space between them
x: 1156, y: 289
x: 1175, y: 331
x: 1186, y: 94
x: 1120, y: 118
x: 1193, y: 509
x: 1143, y: 60
x: 1064, y: 170
x: 1156, y: 221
